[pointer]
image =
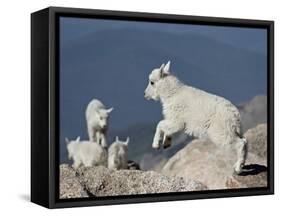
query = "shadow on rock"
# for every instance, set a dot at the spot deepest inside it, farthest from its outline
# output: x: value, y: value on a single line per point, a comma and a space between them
x: 253, y: 169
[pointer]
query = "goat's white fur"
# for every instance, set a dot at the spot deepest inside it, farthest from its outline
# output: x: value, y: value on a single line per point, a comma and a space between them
x: 86, y: 153
x: 118, y: 154
x: 97, y: 122
x: 194, y: 112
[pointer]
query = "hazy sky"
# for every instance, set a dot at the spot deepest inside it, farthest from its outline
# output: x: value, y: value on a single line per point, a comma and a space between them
x: 111, y: 61
x: 248, y: 38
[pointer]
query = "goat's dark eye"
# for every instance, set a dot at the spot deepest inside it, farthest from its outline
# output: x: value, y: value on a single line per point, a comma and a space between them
x: 152, y: 83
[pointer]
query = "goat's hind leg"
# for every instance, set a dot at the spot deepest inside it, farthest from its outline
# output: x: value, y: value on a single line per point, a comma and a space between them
x: 241, y: 148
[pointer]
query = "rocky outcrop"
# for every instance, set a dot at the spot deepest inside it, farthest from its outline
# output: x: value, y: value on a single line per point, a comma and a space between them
x: 253, y: 112
x: 212, y: 165
x: 100, y: 181
x: 70, y: 186
x: 257, y: 141
x: 256, y: 177
x: 209, y: 166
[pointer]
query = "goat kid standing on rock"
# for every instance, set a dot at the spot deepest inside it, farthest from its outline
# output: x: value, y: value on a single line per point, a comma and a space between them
x: 97, y: 122
x: 194, y: 112
x: 86, y: 153
x: 118, y: 154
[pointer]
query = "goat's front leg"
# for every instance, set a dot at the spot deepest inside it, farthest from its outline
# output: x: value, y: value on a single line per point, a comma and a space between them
x: 158, y: 137
x: 98, y: 137
x: 77, y: 162
x: 102, y: 138
x: 91, y: 133
x: 167, y: 141
x: 165, y: 129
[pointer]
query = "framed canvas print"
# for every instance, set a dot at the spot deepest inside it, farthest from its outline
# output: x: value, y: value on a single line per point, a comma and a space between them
x: 138, y: 107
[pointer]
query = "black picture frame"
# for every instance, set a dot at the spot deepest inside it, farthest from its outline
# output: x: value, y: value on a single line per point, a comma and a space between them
x: 45, y: 106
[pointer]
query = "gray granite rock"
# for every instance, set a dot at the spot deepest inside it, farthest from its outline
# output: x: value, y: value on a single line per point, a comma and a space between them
x: 70, y: 186
x: 204, y: 161
x: 257, y: 140
x: 100, y: 181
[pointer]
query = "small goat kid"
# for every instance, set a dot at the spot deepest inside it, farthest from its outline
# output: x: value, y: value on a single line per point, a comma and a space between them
x: 97, y: 122
x: 194, y: 112
x: 118, y: 154
x: 86, y: 153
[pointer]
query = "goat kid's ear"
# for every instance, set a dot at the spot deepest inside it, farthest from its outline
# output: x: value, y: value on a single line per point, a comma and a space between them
x: 67, y: 140
x: 117, y: 139
x: 110, y: 110
x: 127, y: 140
x: 164, y: 71
x: 167, y: 67
x: 78, y: 139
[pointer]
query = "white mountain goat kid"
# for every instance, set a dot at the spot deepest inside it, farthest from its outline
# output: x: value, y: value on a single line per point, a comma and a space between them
x: 97, y: 122
x: 86, y: 153
x: 194, y: 112
x: 118, y: 154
